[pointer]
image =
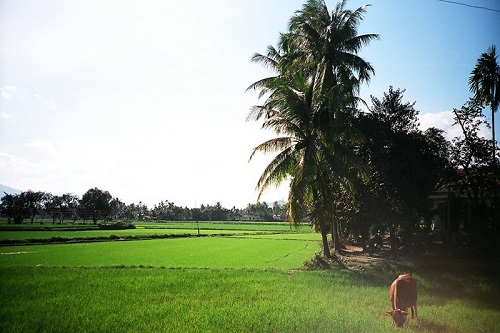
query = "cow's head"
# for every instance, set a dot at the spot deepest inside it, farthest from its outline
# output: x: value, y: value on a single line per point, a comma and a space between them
x: 399, y: 317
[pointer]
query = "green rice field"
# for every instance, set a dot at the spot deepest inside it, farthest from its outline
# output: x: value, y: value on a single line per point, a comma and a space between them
x: 37, y: 232
x: 192, y: 252
x: 248, y: 279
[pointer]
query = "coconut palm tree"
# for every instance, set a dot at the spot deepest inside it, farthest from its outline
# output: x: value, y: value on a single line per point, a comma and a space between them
x: 484, y: 82
x: 311, y: 162
x: 308, y: 105
x: 329, y: 44
x: 323, y: 47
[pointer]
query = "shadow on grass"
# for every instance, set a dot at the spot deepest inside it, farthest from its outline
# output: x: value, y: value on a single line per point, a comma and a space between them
x: 441, y: 278
x: 475, y: 282
x: 382, y: 273
x: 431, y: 326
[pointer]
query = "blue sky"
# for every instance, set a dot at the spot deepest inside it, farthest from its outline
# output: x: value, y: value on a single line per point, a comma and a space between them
x: 146, y: 99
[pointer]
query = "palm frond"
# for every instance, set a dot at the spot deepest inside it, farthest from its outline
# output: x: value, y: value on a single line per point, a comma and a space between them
x: 277, y: 170
x: 264, y: 84
x: 484, y: 81
x: 272, y: 145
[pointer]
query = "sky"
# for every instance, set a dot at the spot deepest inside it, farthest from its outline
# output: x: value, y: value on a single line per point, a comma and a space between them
x: 147, y: 99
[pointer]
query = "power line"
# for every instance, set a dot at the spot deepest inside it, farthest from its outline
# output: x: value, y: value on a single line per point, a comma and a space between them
x: 472, y: 6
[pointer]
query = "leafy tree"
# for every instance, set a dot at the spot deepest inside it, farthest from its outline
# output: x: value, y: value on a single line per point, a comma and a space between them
x: 261, y: 211
x: 392, y: 113
x: 210, y: 213
x: 218, y: 213
x: 35, y: 203
x: 68, y: 204
x: 54, y: 207
x: 7, y: 207
x: 406, y: 164
x: 197, y: 214
x: 318, y: 73
x: 470, y: 155
x: 279, y: 211
x: 143, y: 212
x: 15, y: 207
x: 168, y: 211
x: 117, y: 208
x: 45, y: 203
x: 96, y: 204
x: 131, y: 212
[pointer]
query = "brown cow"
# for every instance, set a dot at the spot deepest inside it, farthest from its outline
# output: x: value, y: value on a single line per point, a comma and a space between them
x: 403, y: 294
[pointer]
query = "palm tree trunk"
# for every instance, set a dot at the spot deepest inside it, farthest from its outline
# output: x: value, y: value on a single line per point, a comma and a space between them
x: 496, y: 222
x: 336, y: 235
x: 326, y: 246
x: 392, y: 236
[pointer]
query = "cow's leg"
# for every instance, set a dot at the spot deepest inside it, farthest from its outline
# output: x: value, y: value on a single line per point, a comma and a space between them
x: 414, y: 311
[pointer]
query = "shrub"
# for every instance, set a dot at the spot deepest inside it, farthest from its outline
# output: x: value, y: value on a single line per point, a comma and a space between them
x: 117, y: 226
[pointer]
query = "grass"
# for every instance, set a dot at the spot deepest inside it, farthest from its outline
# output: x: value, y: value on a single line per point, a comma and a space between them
x: 89, y: 234
x: 162, y: 300
x: 280, y: 236
x: 56, y: 299
x: 204, y: 225
x: 204, y: 252
x: 228, y: 225
x: 29, y: 234
x: 243, y: 283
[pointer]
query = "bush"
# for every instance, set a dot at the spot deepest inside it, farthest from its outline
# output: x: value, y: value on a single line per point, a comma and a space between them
x: 117, y: 226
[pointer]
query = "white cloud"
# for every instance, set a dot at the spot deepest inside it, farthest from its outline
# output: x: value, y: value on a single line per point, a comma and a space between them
x: 7, y: 92
x: 5, y: 116
x: 43, y: 145
x: 444, y: 120
x: 52, y: 104
x: 15, y: 168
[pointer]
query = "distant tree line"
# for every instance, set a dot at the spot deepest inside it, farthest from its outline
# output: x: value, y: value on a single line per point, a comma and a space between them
x: 99, y: 205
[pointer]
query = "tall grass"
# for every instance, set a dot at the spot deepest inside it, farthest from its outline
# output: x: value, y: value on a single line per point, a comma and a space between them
x: 55, y: 299
x: 163, y: 300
